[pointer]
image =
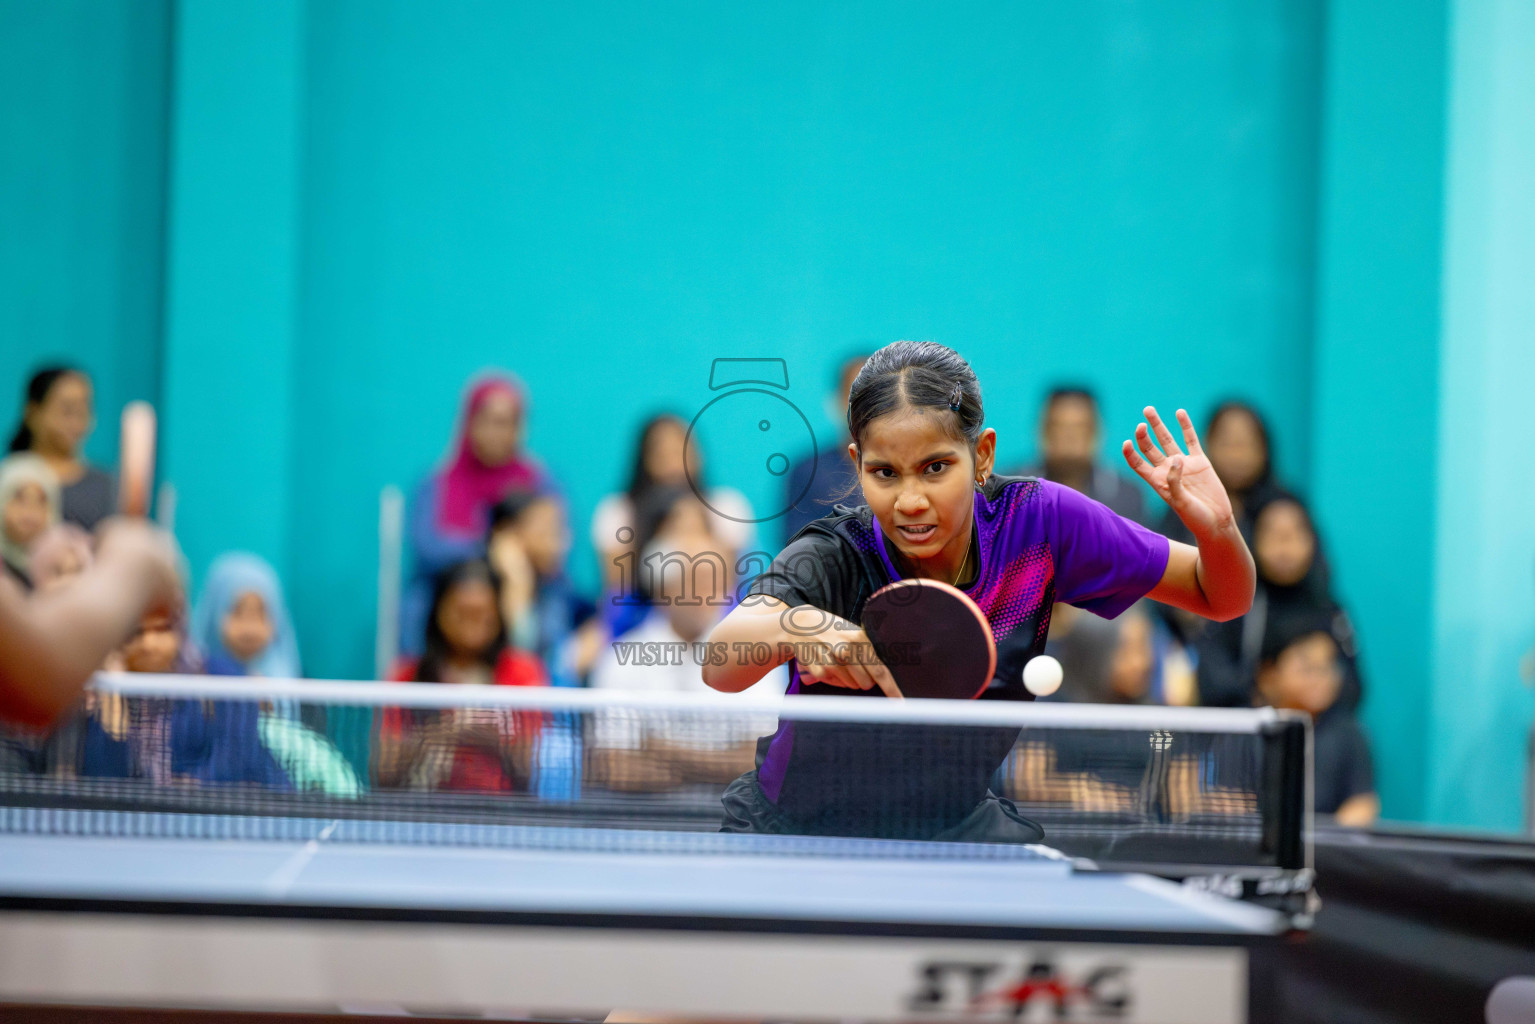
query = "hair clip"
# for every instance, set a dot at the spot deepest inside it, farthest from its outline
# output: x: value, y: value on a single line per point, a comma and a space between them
x: 956, y: 396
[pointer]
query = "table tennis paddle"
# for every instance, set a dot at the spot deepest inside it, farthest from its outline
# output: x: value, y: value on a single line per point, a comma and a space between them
x: 136, y: 466
x: 933, y: 638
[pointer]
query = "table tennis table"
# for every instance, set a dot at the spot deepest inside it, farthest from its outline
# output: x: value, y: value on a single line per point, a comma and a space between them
x: 113, y: 908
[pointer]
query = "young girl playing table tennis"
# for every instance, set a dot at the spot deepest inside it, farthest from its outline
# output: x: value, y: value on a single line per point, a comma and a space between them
x: 1014, y: 545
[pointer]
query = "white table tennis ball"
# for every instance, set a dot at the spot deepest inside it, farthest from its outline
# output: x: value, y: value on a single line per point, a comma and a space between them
x: 1042, y: 675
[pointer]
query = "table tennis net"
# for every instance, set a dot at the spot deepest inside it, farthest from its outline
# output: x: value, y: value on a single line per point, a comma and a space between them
x: 1143, y: 786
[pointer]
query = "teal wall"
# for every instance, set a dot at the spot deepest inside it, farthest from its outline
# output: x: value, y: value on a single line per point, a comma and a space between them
x: 233, y: 278
x: 83, y: 91
x: 1376, y: 380
x: 344, y: 209
x: 1484, y: 605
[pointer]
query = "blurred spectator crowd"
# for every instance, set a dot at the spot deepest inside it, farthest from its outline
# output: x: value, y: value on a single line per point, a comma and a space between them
x: 488, y: 601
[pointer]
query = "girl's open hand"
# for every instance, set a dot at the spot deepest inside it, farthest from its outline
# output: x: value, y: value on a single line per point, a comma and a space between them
x: 1187, y: 482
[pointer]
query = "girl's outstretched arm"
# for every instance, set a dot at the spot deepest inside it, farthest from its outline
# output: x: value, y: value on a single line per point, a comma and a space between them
x: 1216, y: 579
x: 50, y: 644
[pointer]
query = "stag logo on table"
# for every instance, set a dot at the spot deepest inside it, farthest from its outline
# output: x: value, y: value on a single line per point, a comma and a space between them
x: 1035, y: 989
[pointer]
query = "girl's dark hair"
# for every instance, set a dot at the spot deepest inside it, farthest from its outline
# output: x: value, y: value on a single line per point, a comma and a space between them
x: 512, y: 508
x: 916, y: 375
x: 1061, y: 392
x: 435, y: 656
x: 1233, y: 406
x: 640, y: 480
x: 38, y: 387
x: 1280, y: 496
x: 1288, y: 630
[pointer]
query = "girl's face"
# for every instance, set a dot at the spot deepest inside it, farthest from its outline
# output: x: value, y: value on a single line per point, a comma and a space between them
x: 1236, y: 450
x: 1305, y: 677
x: 246, y: 629
x: 155, y: 647
x: 920, y: 482
x: 468, y: 618
x: 666, y: 453
x: 25, y: 516
x: 544, y: 536
x: 495, y: 429
x: 1070, y: 433
x: 62, y: 421
x: 1284, y: 544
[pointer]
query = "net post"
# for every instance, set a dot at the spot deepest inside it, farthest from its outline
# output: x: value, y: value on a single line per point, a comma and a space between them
x: 1286, y: 798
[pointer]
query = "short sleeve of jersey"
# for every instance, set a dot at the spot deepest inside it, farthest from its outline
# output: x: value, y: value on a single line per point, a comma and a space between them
x: 816, y: 568
x: 1105, y: 563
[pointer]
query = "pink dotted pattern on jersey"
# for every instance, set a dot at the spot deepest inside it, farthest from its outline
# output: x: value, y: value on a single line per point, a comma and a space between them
x: 1018, y: 591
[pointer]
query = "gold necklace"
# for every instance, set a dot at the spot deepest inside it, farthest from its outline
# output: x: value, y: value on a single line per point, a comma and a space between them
x: 964, y: 564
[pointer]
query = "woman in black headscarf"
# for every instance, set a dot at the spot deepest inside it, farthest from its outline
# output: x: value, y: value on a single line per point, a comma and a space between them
x: 1293, y: 585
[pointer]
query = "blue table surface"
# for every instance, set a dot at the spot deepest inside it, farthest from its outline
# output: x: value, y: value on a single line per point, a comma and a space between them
x: 576, y: 872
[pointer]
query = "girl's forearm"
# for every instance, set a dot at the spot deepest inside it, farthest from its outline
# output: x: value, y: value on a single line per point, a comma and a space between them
x: 1225, y: 573
x: 735, y: 661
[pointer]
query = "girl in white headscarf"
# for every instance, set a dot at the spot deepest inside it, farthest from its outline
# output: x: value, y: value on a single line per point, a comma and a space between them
x: 29, y: 504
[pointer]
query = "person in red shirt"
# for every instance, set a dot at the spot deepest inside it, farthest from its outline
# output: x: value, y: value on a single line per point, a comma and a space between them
x: 480, y: 749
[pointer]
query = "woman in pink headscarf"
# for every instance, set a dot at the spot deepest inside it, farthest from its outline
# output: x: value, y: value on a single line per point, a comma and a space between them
x: 450, y: 510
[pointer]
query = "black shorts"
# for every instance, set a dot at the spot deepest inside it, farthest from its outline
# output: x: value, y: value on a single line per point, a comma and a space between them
x: 994, y: 820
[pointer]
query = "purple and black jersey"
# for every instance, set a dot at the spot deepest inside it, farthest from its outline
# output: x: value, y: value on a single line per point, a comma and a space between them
x: 1038, y: 543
